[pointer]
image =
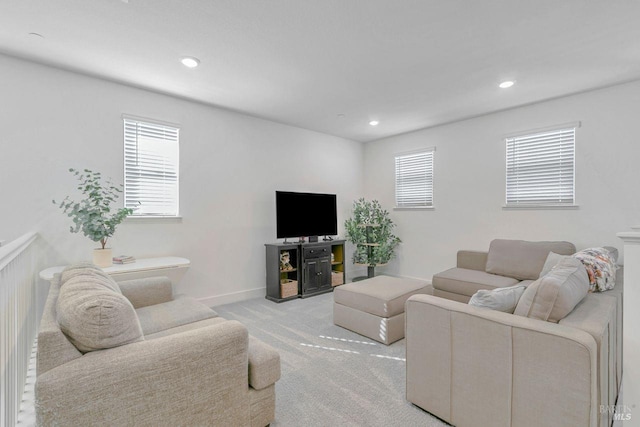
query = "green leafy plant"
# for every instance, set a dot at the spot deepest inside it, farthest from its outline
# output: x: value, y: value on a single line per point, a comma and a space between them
x: 370, y: 213
x: 93, y: 214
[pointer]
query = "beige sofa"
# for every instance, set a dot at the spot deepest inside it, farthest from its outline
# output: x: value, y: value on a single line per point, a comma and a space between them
x: 190, y: 368
x: 507, y: 263
x: 473, y: 367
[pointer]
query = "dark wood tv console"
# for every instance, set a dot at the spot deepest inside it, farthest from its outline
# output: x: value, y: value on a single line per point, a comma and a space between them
x: 315, y: 268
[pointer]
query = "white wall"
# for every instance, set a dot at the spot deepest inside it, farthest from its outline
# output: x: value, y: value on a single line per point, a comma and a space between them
x: 469, y: 180
x: 230, y: 166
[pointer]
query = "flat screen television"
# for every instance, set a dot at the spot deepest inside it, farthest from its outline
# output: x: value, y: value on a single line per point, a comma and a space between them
x: 305, y: 214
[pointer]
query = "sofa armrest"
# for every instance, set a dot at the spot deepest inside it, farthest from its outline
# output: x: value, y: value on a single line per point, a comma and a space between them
x: 147, y: 291
x: 197, y: 377
x: 472, y: 260
x: 264, y: 364
x: 472, y: 366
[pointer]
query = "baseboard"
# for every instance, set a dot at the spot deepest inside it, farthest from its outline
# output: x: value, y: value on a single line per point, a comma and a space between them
x: 233, y: 297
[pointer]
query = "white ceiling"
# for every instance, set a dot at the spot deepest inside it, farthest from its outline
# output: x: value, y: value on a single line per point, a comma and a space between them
x: 408, y: 63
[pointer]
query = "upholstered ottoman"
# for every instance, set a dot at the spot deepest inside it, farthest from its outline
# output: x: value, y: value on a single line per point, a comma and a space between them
x: 375, y: 307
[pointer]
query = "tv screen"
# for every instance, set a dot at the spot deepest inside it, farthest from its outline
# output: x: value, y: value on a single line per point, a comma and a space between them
x: 305, y: 214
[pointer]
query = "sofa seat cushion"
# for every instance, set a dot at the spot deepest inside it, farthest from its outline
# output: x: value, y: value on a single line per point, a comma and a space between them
x: 94, y: 316
x: 554, y: 295
x: 467, y: 282
x: 180, y: 311
x: 521, y: 259
x: 382, y: 296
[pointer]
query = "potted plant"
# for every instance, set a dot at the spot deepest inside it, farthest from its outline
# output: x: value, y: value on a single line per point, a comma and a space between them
x: 93, y: 214
x: 370, y: 230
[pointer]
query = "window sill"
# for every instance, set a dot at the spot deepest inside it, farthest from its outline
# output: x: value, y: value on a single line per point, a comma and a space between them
x: 540, y: 207
x: 415, y: 208
x: 153, y: 218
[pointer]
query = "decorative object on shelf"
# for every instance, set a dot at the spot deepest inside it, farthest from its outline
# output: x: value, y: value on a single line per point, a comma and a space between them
x: 123, y: 259
x: 285, y: 264
x: 93, y: 214
x: 370, y: 230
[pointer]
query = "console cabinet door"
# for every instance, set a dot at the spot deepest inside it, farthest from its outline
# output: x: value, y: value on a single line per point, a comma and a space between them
x: 317, y: 275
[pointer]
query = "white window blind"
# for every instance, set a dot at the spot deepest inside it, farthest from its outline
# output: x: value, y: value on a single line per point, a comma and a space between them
x: 414, y: 179
x: 541, y: 168
x: 151, y: 158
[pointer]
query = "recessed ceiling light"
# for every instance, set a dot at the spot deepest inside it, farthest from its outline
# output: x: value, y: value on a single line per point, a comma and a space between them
x: 36, y: 35
x: 506, y: 84
x: 190, y: 61
x: 374, y: 123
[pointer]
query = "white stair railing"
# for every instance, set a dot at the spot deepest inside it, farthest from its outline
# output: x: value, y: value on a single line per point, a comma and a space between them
x: 18, y: 321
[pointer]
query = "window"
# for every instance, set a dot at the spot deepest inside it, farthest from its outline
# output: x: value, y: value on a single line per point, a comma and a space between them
x: 541, y: 168
x: 414, y: 179
x: 150, y: 168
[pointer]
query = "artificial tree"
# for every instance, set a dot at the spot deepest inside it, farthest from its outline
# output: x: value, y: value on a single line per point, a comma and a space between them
x: 370, y: 230
x: 93, y: 214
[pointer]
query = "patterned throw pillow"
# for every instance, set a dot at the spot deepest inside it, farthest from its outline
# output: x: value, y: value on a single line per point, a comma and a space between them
x: 601, y: 268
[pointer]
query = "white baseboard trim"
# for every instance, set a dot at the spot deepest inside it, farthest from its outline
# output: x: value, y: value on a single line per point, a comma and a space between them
x: 233, y: 297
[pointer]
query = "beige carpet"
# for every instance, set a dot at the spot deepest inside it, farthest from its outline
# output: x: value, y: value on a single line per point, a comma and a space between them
x: 330, y: 376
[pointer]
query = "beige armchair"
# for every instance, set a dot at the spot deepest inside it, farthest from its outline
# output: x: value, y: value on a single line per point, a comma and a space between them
x: 191, y: 368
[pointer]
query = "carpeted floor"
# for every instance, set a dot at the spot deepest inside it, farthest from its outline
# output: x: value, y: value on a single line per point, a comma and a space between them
x: 330, y: 376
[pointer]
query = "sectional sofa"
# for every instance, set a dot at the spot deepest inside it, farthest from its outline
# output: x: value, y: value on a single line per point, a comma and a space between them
x: 473, y: 366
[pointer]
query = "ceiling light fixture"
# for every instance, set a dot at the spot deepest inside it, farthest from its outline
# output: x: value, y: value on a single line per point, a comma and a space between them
x: 190, y: 61
x: 506, y: 84
x: 374, y: 123
x: 36, y: 35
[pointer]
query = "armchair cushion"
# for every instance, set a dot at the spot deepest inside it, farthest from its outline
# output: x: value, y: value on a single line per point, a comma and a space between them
x: 94, y: 316
x: 180, y: 311
x: 147, y: 291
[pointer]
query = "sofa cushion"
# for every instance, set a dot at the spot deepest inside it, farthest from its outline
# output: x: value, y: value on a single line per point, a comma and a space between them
x: 551, y: 261
x: 93, y: 316
x: 499, y: 299
x: 554, y: 296
x: 180, y: 311
x: 521, y: 259
x: 383, y: 296
x: 467, y: 282
x: 601, y: 268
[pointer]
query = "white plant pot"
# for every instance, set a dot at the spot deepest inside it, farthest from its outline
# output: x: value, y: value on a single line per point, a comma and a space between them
x: 102, y: 257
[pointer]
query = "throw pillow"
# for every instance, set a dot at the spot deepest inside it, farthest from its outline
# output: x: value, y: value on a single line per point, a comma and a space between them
x: 600, y: 266
x: 499, y: 299
x: 552, y: 259
x: 94, y: 316
x: 555, y: 295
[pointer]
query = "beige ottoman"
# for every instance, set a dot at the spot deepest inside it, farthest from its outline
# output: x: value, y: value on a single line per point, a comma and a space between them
x: 375, y: 307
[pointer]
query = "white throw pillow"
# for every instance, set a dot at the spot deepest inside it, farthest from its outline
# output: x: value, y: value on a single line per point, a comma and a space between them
x: 499, y: 299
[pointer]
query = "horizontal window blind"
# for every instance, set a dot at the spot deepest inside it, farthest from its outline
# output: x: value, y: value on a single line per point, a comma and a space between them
x: 414, y: 180
x: 541, y: 168
x: 151, y: 158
